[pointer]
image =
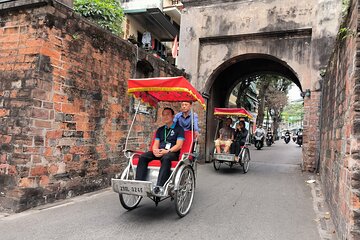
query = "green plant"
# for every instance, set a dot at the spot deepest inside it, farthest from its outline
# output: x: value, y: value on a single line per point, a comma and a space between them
x: 76, y: 36
x: 346, y: 32
x: 345, y: 7
x: 107, y: 13
x: 322, y: 72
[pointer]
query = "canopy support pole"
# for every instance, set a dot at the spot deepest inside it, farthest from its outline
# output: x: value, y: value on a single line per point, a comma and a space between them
x: 192, y: 123
x: 132, y: 123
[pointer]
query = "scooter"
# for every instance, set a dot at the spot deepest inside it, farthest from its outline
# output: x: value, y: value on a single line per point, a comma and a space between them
x: 259, y: 140
x: 269, y: 140
x: 299, y: 140
x: 287, y: 138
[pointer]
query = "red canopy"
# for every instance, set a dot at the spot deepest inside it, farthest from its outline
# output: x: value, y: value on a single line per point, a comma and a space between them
x: 166, y: 89
x: 240, y: 112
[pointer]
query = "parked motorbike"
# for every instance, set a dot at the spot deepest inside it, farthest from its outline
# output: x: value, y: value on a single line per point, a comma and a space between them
x: 259, y: 140
x: 269, y: 140
x: 287, y: 138
x: 299, y: 140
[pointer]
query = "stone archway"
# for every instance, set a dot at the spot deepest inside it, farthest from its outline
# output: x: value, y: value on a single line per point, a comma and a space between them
x: 298, y: 34
x: 228, y: 74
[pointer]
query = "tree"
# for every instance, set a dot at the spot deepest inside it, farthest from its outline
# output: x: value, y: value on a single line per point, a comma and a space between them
x: 272, y: 96
x: 107, y: 13
x: 276, y: 101
x: 262, y: 84
x: 244, y: 91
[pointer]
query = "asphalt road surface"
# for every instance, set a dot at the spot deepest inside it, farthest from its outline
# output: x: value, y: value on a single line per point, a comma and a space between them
x: 270, y: 202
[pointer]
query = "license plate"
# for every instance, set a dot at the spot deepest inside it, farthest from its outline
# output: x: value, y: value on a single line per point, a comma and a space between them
x: 131, y: 187
x: 224, y: 157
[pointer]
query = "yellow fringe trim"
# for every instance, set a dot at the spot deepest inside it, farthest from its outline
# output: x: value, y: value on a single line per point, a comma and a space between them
x: 166, y: 89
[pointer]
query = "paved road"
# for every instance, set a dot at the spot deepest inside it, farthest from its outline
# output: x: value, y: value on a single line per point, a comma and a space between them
x: 270, y: 202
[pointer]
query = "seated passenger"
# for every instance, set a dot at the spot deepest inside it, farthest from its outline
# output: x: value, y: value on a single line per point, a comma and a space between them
x: 166, y: 148
x: 183, y: 118
x: 241, y: 134
x: 226, y: 137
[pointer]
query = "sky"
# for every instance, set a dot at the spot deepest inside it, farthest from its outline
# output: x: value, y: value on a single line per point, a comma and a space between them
x: 294, y: 93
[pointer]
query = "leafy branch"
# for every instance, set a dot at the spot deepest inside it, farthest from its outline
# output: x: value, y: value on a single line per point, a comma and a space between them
x: 106, y: 13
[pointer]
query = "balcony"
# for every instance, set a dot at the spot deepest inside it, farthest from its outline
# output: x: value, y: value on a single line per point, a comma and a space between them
x: 156, y: 22
x: 172, y: 3
x: 131, y: 5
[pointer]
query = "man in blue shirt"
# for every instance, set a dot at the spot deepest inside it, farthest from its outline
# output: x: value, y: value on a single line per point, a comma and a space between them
x: 183, y: 118
x: 166, y: 148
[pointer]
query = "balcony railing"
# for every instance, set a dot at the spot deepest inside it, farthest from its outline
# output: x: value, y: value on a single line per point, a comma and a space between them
x: 141, y: 4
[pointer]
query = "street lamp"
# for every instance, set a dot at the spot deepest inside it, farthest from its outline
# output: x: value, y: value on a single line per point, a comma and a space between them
x: 306, y: 93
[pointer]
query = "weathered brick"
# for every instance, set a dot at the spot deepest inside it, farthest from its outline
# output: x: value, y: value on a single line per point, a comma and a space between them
x: 38, y: 170
x: 27, y: 182
x: 44, y: 181
x: 4, y: 112
x: 23, y: 140
x: 42, y: 124
x: 54, y: 134
x: 39, y: 141
x: 40, y: 113
x: 36, y: 158
x: 5, y: 139
x: 48, y: 105
x: 32, y: 150
x: 60, y: 98
x: 3, y: 158
x: 53, y: 169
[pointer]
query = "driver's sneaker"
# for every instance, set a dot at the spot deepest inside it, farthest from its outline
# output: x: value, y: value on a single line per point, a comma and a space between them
x: 236, y: 158
x: 158, y: 190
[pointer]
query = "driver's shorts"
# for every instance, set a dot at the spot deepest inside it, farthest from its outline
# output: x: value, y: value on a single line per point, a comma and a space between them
x: 219, y: 142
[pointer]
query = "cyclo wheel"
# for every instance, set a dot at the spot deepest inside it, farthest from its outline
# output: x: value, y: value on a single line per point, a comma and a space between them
x: 246, y: 160
x: 217, y: 164
x: 129, y: 202
x: 184, y: 194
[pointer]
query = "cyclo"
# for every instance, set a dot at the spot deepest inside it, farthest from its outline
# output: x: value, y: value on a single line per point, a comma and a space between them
x: 229, y: 158
x: 181, y: 184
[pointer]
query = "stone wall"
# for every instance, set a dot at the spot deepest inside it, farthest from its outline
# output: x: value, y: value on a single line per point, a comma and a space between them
x: 64, y: 108
x: 340, y: 131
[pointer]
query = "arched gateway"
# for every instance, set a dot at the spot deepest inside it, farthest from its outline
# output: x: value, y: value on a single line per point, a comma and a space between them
x: 223, y: 41
x: 229, y: 74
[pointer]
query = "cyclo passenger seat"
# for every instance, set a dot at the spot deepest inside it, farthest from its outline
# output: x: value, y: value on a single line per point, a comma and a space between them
x: 187, y: 147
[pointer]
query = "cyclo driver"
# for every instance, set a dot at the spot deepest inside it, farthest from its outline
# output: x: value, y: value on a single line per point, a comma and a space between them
x: 166, y: 148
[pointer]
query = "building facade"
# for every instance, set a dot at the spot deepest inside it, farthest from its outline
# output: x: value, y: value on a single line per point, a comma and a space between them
x: 153, y: 25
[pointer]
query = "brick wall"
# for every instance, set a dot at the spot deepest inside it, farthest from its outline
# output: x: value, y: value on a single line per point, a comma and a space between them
x: 311, y: 131
x: 64, y: 110
x: 340, y: 132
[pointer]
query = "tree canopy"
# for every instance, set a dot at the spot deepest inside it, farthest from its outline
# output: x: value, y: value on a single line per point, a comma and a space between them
x: 107, y: 13
x: 272, y: 95
x: 293, y: 112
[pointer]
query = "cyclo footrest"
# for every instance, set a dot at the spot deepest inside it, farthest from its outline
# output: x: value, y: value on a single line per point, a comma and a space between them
x: 131, y: 187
